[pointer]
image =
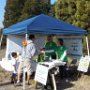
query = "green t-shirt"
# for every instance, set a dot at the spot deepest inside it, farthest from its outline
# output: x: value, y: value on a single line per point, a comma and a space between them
x: 61, y: 53
x: 50, y: 49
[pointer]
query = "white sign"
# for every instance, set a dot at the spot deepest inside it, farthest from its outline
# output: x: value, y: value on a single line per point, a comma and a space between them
x: 74, y: 46
x: 41, y: 74
x: 84, y: 64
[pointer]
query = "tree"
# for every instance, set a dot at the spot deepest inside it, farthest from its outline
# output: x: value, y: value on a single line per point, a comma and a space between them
x: 82, y: 15
x: 76, y: 12
x: 34, y: 7
x: 12, y: 11
x: 52, y: 10
x: 65, y: 10
x: 18, y: 10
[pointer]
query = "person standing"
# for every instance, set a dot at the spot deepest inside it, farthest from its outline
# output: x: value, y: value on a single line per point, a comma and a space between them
x: 61, y: 52
x: 50, y: 48
x: 15, y: 66
x: 27, y: 54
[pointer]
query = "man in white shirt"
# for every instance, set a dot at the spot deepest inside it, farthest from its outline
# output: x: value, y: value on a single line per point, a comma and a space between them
x: 27, y: 54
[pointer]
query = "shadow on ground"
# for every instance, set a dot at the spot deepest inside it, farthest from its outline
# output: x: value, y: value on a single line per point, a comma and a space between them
x: 4, y: 84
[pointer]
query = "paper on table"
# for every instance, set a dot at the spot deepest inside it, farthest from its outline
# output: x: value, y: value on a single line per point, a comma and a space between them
x: 53, y: 63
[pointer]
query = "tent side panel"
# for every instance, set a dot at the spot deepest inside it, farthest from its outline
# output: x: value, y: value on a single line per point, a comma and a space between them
x: 13, y: 44
x: 73, y: 45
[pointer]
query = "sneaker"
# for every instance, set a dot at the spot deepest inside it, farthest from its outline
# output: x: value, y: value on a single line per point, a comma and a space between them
x: 18, y: 84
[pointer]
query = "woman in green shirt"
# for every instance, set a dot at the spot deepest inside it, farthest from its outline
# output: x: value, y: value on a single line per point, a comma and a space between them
x: 61, y: 52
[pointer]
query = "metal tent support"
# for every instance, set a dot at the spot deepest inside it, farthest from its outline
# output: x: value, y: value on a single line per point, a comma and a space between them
x: 24, y: 75
x: 1, y: 40
x: 87, y: 46
x: 54, y: 81
x: 24, y: 86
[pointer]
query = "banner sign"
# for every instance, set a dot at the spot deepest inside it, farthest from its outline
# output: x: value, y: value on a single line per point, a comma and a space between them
x: 84, y: 64
x: 41, y: 74
x: 74, y: 46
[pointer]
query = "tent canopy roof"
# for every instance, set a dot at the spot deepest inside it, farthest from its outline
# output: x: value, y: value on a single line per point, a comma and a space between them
x: 43, y: 24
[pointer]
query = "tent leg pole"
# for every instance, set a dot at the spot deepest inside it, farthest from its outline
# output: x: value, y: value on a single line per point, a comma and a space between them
x: 26, y: 37
x: 24, y: 86
x: 87, y: 45
x: 1, y: 40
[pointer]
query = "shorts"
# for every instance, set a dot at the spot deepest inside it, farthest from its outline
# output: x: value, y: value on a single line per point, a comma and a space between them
x: 27, y: 64
x: 14, y: 74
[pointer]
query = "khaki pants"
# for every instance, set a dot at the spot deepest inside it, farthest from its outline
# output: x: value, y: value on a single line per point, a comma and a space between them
x: 27, y: 64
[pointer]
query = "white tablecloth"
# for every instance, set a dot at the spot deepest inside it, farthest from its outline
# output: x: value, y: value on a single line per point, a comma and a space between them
x: 7, y: 65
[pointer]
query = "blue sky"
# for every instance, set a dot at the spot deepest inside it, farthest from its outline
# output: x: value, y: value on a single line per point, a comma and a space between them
x: 2, y: 6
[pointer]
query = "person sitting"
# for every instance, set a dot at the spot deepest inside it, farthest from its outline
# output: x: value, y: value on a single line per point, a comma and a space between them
x: 61, y: 52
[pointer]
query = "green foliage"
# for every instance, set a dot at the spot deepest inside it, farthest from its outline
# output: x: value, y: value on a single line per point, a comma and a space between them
x: 33, y: 7
x: 18, y: 10
x: 12, y: 11
x: 65, y: 10
x: 44, y: 7
x: 76, y: 12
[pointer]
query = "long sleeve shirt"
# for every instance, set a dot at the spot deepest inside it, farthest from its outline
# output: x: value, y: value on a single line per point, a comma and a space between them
x: 62, y: 53
x: 50, y: 49
x: 29, y: 50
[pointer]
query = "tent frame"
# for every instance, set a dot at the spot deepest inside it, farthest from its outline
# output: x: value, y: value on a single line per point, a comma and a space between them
x: 87, y: 44
x: 1, y: 40
x: 24, y: 75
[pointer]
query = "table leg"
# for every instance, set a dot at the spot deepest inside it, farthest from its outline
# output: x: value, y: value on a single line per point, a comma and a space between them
x: 43, y: 87
x: 54, y: 81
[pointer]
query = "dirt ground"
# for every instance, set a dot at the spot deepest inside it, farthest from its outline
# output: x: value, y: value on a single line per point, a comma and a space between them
x: 74, y: 83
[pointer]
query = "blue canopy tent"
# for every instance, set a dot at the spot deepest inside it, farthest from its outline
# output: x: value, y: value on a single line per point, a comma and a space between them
x: 43, y: 24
